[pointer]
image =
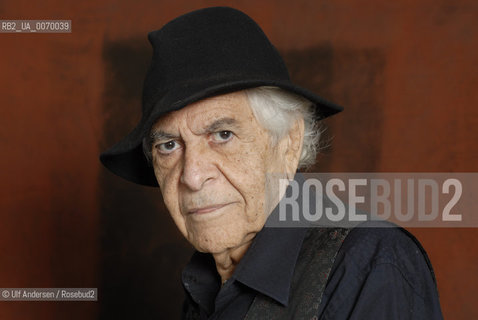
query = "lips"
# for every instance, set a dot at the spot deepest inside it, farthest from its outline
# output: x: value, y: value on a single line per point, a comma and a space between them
x: 207, y: 209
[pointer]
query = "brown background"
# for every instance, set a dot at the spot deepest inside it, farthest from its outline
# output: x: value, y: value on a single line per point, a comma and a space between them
x: 407, y: 74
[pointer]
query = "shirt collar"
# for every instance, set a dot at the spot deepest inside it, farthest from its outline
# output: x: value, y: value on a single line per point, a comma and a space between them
x: 201, y: 280
x: 269, y: 263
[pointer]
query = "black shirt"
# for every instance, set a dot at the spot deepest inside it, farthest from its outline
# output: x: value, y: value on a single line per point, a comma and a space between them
x: 379, y: 273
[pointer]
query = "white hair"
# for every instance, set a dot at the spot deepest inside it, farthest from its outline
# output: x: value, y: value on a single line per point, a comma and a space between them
x: 277, y: 110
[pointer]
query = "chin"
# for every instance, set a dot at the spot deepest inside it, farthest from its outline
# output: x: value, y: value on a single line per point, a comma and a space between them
x: 220, y: 239
x: 211, y: 247
x: 213, y: 242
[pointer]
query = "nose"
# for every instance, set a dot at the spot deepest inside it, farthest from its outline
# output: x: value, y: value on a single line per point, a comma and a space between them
x: 198, y: 167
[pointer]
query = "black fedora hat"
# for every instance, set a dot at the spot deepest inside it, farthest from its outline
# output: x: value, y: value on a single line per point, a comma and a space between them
x: 203, y: 53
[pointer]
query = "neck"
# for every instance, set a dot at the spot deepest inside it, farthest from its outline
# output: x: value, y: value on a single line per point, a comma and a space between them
x: 226, y: 261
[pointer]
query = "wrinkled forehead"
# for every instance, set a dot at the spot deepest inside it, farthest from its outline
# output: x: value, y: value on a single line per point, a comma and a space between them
x: 233, y: 105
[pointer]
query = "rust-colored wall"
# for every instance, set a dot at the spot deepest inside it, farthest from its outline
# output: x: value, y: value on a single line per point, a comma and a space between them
x: 407, y: 74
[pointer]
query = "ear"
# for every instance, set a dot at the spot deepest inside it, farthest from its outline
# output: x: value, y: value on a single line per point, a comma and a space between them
x: 291, y: 146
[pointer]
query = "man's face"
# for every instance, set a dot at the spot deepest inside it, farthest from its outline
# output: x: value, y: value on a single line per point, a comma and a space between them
x: 211, y: 159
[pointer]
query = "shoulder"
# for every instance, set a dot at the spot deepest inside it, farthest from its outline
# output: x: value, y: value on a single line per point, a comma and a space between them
x: 382, y: 270
x: 373, y: 245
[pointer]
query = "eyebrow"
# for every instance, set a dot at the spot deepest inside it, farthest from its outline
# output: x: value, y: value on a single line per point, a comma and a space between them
x: 160, y: 135
x: 220, y: 123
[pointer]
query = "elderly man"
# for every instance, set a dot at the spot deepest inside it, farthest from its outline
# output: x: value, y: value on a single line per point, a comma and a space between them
x: 219, y: 115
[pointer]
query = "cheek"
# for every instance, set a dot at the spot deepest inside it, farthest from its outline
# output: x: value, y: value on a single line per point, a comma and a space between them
x: 165, y: 170
x: 261, y: 167
x: 251, y: 156
x: 246, y: 170
x: 167, y: 178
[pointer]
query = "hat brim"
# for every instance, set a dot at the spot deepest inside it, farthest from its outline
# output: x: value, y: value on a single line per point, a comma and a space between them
x: 126, y: 158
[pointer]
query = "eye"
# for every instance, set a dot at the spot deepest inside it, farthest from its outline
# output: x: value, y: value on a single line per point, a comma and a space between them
x: 167, y: 147
x: 222, y: 136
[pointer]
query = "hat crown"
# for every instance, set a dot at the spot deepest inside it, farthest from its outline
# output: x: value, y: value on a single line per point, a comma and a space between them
x: 218, y: 44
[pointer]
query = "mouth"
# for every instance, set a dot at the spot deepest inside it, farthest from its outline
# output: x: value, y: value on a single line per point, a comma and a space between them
x: 207, y: 209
